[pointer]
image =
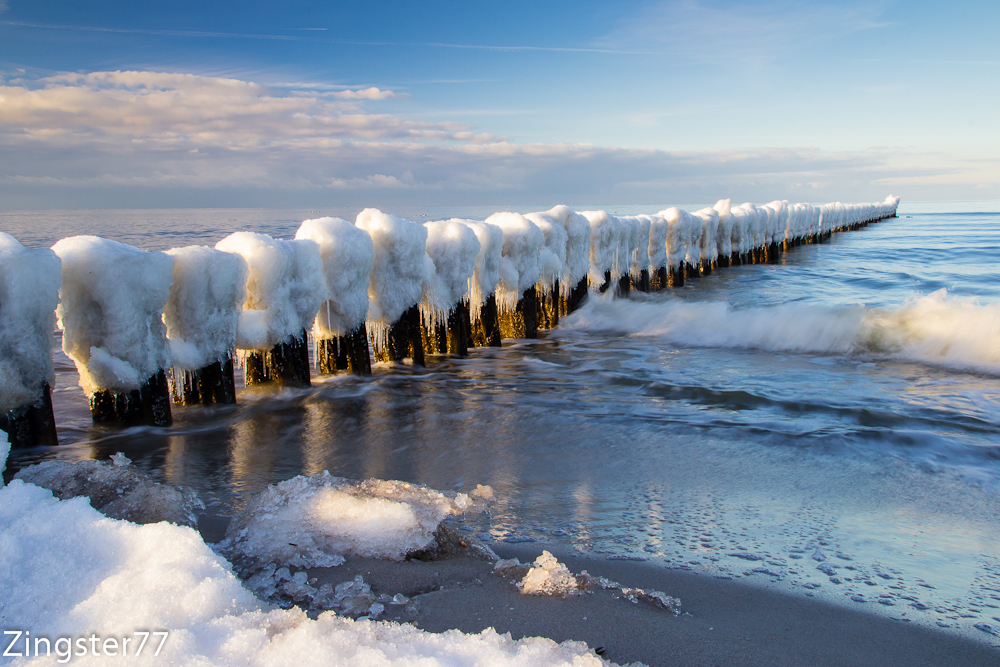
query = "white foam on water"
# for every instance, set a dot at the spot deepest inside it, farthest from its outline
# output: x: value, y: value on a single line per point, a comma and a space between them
x: 348, y: 254
x: 69, y: 572
x: 111, y: 305
x: 937, y: 328
x: 29, y: 293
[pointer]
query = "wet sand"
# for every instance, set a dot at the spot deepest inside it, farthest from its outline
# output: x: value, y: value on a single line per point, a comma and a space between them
x: 724, y: 623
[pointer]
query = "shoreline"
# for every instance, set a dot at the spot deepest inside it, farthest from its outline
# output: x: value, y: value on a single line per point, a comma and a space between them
x: 722, y: 622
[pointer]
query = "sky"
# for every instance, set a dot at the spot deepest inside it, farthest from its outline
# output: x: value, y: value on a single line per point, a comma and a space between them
x: 112, y: 104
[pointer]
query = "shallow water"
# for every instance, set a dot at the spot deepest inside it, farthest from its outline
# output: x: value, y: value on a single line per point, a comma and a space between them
x: 829, y: 424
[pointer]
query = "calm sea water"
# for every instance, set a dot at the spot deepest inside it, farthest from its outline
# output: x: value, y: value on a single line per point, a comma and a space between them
x: 829, y: 425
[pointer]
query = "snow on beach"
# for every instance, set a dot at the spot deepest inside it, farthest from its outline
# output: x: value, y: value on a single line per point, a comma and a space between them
x: 72, y: 573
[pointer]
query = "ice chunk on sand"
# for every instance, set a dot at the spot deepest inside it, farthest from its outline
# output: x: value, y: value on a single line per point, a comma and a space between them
x: 486, y: 276
x: 111, y: 305
x: 658, y: 599
x: 548, y: 576
x: 315, y: 521
x: 71, y: 571
x: 454, y: 248
x: 116, y: 489
x: 519, y: 268
x: 29, y: 293
x: 284, y: 288
x: 348, y: 255
x: 203, y: 310
x: 402, y: 268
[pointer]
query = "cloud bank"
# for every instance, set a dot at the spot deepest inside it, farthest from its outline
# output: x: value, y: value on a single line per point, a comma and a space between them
x: 135, y: 139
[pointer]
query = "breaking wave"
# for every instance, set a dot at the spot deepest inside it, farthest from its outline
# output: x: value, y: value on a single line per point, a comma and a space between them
x: 938, y: 329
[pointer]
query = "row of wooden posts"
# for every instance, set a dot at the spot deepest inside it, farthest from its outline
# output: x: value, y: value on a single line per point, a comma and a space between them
x: 288, y: 364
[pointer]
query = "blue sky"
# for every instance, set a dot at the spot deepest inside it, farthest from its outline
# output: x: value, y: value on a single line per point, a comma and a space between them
x: 124, y: 104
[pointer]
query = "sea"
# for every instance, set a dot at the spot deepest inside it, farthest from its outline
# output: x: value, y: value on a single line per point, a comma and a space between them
x: 827, y: 425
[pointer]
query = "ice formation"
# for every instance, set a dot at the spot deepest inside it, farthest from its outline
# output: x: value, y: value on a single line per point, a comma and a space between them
x: 548, y: 576
x: 552, y: 257
x: 723, y: 208
x: 656, y: 250
x: 203, y: 310
x: 111, y: 305
x: 707, y: 244
x: 4, y: 453
x: 69, y: 572
x: 348, y: 254
x: 629, y: 241
x: 402, y: 268
x: 454, y: 248
x: 677, y: 235
x: 284, y: 288
x: 116, y: 489
x: 577, y: 263
x: 486, y: 276
x: 316, y: 521
x: 29, y: 293
x: 519, y: 267
x: 605, y: 235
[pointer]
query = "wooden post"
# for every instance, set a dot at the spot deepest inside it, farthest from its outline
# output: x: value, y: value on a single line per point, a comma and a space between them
x: 575, y: 299
x: 286, y: 364
x: 148, y: 405
x: 32, y: 425
x: 624, y: 285
x: 659, y: 281
x: 345, y: 353
x: 459, y: 330
x: 676, y: 276
x: 548, y: 309
x: 643, y: 283
x: 522, y: 322
x: 486, y: 330
x: 215, y: 383
x: 404, y: 339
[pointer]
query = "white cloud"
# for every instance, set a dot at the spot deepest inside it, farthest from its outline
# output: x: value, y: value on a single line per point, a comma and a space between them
x: 119, y: 138
x: 3, y: 6
x: 372, y: 93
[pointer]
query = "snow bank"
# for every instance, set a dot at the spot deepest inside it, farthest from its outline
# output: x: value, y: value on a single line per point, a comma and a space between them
x: 552, y: 258
x: 69, y: 571
x: 402, y: 268
x: 29, y: 294
x: 116, y: 489
x: 519, y: 268
x: 486, y: 276
x: 203, y: 310
x: 454, y: 249
x: 348, y: 254
x: 284, y: 288
x: 111, y: 304
x: 605, y: 234
x: 316, y: 521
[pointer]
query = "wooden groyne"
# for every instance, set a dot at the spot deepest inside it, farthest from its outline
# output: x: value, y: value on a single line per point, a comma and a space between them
x: 147, y: 327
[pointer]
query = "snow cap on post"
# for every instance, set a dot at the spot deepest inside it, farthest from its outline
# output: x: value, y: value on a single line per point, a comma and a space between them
x: 111, y: 305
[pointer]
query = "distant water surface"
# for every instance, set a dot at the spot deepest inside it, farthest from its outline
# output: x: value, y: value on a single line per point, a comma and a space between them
x: 829, y: 424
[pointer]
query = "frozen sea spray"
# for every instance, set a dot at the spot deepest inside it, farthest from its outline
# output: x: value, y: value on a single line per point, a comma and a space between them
x: 111, y: 304
x: 519, y: 268
x: 605, y: 236
x: 454, y: 248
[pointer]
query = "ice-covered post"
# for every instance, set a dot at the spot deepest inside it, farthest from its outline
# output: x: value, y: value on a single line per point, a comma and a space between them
x: 201, y: 315
x: 29, y: 293
x: 657, y: 252
x: 677, y: 235
x: 401, y: 271
x: 551, y: 263
x: 639, y: 273
x: 453, y: 247
x: 605, y: 235
x: 519, y: 271
x: 284, y: 290
x: 340, y: 336
x: 709, y: 249
x: 484, y: 319
x: 724, y: 239
x: 111, y: 312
